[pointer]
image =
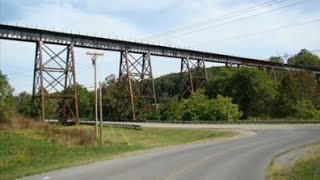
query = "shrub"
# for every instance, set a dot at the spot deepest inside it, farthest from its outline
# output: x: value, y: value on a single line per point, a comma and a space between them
x: 200, y: 107
x: 197, y: 107
x: 224, y: 109
x: 306, y: 110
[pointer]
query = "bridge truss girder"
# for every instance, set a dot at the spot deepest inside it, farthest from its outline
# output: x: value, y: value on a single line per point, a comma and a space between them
x: 54, y: 92
x: 136, y: 89
x: 193, y: 75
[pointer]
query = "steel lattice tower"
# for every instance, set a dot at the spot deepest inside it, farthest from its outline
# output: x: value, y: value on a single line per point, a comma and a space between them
x: 54, y: 92
x: 136, y: 90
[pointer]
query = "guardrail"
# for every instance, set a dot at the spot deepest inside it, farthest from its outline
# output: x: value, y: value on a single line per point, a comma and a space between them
x: 136, y: 123
x: 239, y: 122
x: 115, y: 124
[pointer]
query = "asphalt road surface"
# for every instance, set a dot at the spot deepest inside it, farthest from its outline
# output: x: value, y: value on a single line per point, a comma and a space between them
x: 245, y: 158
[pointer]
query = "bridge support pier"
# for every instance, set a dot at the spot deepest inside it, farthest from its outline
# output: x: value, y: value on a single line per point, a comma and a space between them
x: 54, y: 93
x: 193, y: 75
x: 136, y: 89
x: 229, y: 65
x: 269, y: 70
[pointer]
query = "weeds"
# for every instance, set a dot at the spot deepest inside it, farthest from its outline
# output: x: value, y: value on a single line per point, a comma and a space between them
x: 73, y: 136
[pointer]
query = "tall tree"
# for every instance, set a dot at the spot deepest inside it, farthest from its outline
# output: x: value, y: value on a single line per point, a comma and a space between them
x: 6, y: 99
x: 294, y: 87
x: 24, y: 104
x: 305, y: 59
x: 252, y: 89
x: 85, y: 102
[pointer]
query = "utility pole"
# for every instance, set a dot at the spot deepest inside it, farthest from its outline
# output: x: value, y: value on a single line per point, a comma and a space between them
x: 101, y: 113
x: 94, y: 57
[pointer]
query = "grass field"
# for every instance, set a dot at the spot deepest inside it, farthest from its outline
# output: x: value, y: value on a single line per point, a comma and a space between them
x: 306, y: 168
x: 28, y: 151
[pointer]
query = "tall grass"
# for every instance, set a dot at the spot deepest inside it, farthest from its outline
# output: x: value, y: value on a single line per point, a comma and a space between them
x: 70, y: 136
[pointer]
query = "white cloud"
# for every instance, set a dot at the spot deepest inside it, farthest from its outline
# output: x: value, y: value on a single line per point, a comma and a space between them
x: 99, y: 17
x: 66, y: 18
x: 217, y: 39
x: 125, y: 5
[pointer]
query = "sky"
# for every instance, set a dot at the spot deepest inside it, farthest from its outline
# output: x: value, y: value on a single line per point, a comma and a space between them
x: 220, y: 26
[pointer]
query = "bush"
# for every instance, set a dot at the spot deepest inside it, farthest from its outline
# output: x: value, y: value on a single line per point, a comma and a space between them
x: 197, y: 107
x: 200, y: 107
x: 225, y: 110
x: 172, y: 111
x: 306, y: 110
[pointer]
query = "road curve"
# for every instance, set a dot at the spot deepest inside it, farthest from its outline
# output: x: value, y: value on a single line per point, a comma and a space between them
x: 245, y: 158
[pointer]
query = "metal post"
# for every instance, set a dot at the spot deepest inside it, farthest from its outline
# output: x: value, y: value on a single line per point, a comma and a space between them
x: 64, y: 108
x: 75, y: 95
x: 35, y: 71
x: 130, y: 86
x: 41, y: 82
x: 152, y: 81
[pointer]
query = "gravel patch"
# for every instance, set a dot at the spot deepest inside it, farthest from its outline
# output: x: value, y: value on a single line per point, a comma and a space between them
x: 290, y: 157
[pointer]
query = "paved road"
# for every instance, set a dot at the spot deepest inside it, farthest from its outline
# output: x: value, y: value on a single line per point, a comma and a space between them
x: 245, y: 158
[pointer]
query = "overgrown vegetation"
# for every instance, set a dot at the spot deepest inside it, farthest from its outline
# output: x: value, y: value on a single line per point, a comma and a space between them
x: 29, y: 147
x: 73, y: 136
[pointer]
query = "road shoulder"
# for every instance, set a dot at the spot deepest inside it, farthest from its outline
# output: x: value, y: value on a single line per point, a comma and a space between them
x: 291, y: 163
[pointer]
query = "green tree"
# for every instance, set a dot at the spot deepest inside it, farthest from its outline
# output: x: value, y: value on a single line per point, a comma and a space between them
x: 24, y: 104
x: 85, y: 102
x: 252, y: 89
x: 276, y: 59
x: 6, y: 99
x: 305, y: 59
x: 167, y: 85
x: 294, y: 87
x: 110, y: 92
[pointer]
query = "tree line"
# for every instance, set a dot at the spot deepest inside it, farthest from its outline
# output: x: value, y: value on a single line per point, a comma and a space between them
x: 230, y: 94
